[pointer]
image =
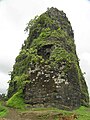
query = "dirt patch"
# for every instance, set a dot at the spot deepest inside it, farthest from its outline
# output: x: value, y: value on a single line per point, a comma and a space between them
x: 37, y: 115
x: 30, y: 115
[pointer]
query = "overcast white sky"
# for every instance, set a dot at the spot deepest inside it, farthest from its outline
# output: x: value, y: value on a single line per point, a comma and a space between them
x: 14, y: 14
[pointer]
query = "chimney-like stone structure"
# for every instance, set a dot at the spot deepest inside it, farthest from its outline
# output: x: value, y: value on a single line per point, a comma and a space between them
x: 47, y: 68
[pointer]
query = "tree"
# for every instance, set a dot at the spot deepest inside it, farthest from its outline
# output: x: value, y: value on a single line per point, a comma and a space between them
x: 30, y: 24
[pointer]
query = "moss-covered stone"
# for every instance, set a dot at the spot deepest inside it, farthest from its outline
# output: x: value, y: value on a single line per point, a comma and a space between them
x: 47, y: 68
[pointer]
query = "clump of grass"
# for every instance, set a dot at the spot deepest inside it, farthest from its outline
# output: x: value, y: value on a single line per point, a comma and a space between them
x: 16, y: 101
x: 3, y: 110
x: 83, y: 113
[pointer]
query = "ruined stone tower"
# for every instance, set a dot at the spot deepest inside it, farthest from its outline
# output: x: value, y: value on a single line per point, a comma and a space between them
x: 47, y: 68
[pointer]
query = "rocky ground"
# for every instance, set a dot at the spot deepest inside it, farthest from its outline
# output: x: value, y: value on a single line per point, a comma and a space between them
x: 36, y: 115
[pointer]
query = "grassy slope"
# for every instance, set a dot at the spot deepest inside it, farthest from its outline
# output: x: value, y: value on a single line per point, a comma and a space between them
x: 3, y: 110
x: 16, y: 101
x: 83, y: 113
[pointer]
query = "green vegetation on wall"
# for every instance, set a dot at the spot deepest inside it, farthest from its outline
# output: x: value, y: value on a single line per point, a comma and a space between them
x: 16, y: 101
